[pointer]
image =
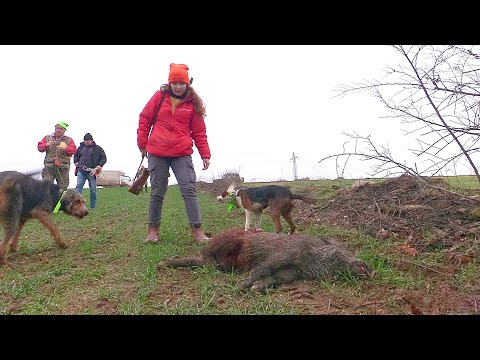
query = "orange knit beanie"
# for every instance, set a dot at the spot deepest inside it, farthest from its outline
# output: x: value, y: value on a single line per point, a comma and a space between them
x: 178, y: 73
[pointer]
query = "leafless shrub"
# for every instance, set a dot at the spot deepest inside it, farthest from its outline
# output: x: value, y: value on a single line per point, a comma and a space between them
x: 435, y: 93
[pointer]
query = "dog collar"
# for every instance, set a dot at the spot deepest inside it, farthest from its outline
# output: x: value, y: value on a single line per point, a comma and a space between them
x: 59, y: 203
x: 233, y: 201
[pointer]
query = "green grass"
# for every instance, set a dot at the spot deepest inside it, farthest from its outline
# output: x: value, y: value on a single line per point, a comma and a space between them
x: 107, y: 268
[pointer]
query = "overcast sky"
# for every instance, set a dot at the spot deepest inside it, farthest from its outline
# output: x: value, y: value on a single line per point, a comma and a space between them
x: 264, y: 103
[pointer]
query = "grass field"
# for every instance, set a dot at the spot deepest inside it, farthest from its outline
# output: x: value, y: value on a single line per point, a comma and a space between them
x: 107, y: 268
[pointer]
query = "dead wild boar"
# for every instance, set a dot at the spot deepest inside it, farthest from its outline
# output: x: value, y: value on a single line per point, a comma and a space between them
x: 274, y: 259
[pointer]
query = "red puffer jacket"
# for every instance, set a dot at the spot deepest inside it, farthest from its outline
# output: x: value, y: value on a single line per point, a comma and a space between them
x: 173, y: 134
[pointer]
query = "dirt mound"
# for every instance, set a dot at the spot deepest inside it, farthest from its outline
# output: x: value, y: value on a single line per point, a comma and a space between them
x: 404, y: 207
x: 218, y: 186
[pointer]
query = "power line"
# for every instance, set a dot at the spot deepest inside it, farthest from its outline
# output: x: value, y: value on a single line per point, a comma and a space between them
x: 294, y: 159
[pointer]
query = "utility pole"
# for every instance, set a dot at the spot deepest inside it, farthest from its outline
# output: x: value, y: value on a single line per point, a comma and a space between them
x: 294, y: 159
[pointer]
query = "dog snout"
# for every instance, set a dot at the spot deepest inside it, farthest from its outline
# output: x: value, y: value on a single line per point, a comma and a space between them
x: 79, y: 211
x: 82, y: 214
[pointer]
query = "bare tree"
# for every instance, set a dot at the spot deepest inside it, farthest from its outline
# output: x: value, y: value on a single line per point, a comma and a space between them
x: 435, y: 93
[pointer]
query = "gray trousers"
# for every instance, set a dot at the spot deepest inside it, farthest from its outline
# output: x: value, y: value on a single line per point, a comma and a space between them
x: 184, y: 172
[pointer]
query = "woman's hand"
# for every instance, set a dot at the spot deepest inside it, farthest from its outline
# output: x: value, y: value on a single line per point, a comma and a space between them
x: 206, y: 164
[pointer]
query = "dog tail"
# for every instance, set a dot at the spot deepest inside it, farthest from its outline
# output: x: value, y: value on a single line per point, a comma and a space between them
x: 308, y: 200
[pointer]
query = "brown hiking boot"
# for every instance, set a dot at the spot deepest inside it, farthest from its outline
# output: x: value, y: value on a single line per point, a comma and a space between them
x: 152, y: 235
x: 198, y: 234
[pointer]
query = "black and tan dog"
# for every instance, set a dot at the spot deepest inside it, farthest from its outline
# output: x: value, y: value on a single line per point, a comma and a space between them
x: 275, y: 259
x: 255, y: 199
x: 23, y: 198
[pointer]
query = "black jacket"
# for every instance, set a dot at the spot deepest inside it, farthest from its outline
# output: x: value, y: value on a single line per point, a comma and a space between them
x: 99, y: 156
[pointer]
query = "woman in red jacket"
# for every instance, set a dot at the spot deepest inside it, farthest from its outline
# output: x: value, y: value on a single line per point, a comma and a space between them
x: 169, y: 125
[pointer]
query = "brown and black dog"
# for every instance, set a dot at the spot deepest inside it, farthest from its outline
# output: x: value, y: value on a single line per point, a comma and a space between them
x: 23, y: 198
x: 275, y: 259
x: 255, y: 199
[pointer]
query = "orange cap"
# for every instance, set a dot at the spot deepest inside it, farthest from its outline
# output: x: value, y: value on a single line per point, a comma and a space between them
x: 178, y: 73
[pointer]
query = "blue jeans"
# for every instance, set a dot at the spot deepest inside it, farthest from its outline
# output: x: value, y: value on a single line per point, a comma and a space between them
x: 92, y: 183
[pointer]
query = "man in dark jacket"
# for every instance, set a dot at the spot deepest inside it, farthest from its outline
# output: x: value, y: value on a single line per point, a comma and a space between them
x: 89, y: 160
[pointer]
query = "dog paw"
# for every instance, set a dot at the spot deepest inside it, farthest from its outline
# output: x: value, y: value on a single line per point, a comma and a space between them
x: 63, y: 245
